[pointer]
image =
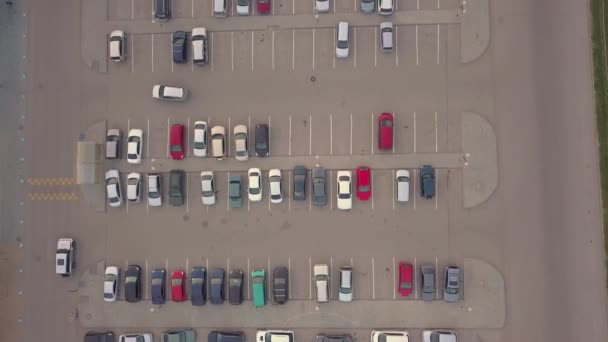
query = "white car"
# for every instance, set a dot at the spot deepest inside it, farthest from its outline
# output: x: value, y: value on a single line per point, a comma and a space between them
x: 402, y: 177
x: 135, y: 146
x: 241, y: 143
x: 344, y: 193
x: 154, y: 190
x: 111, y: 283
x: 200, y: 139
x: 208, y: 187
x: 218, y: 142
x: 385, y: 7
x: 390, y: 336
x: 64, y: 257
x: 118, y: 46
x: 134, y: 187
x: 439, y: 336
x: 274, y: 335
x: 113, y: 188
x: 141, y: 337
x: 321, y: 277
x: 343, y: 40
x: 242, y: 7
x: 322, y: 6
x: 274, y: 178
x: 163, y: 92
x: 255, y: 184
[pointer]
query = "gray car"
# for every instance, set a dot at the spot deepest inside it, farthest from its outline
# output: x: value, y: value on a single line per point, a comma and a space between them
x: 235, y: 192
x: 178, y: 336
x: 157, y: 288
x: 299, y: 183
x: 319, y: 181
x: 451, y: 288
x: 427, y: 275
x: 176, y: 188
x: 368, y: 6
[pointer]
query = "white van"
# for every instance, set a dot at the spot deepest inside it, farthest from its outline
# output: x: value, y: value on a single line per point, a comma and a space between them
x: 321, y: 272
x: 402, y: 177
x: 199, y: 45
x: 342, y: 40
x: 218, y: 142
x: 118, y: 46
x: 386, y: 36
x: 220, y: 8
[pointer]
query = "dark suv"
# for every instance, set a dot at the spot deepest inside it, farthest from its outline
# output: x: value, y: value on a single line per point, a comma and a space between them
x: 158, y: 286
x: 132, y: 284
x: 427, y: 181
x: 299, y: 183
x: 235, y: 287
x: 162, y: 10
x: 319, y: 195
x: 261, y: 140
x: 176, y: 193
x: 179, y: 47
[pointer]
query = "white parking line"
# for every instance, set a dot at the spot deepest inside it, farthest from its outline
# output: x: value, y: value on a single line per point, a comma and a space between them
x: 375, y: 46
x: 132, y: 55
x: 396, y: 47
x: 188, y: 138
x: 415, y: 276
x: 373, y: 279
x: 331, y: 134
x: 417, y: 61
x: 310, y: 134
x: 273, y: 7
x: 436, y: 145
x: 310, y: 192
x: 289, y: 190
x: 355, y: 44
x: 146, y: 282
x: 293, y: 6
x: 187, y: 202
x: 352, y: 264
x: 415, y: 194
x: 168, y: 129
x: 309, y: 278
x: 212, y: 50
x: 148, y: 140
x: 313, y: 49
x: 331, y: 197
x: 437, y: 43
x: 248, y: 279
x: 229, y: 137
x: 228, y: 271
x: 289, y: 142
x: 132, y: 9
x: 371, y: 183
x: 152, y: 52
x: 192, y: 8
x: 437, y: 276
x: 331, y: 267
x: 293, y: 49
x: 228, y: 191
x: 251, y: 50
x: 414, y: 132
x: 273, y: 42
x: 394, y: 280
x: 334, y: 54
x: 186, y: 264
x: 394, y: 135
x: 355, y: 5
x: 372, y: 135
x: 393, y: 181
x: 269, y: 266
x: 232, y: 50
x: 167, y: 265
x: 171, y: 55
x: 436, y: 189
x: 289, y: 276
x: 417, y: 4
x: 351, y: 133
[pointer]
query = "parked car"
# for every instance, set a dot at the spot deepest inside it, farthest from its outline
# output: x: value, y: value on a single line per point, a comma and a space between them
x: 241, y: 143
x: 113, y: 137
x: 402, y: 177
x: 137, y: 337
x: 64, y: 257
x: 321, y: 277
x: 118, y: 46
x: 200, y: 54
x: 274, y: 180
x: 427, y: 277
x: 176, y: 142
x: 280, y: 284
x: 368, y: 6
x: 333, y: 338
x: 176, y: 188
x: 135, y: 146
x: 255, y: 184
x: 262, y: 140
x: 94, y: 336
x: 165, y: 92
x: 386, y: 36
x: 154, y: 190
x: 385, y: 131
x: 274, y: 336
x: 342, y: 40
x: 178, y: 286
x: 198, y: 286
x: 299, y: 183
x: 319, y: 187
x: 218, y: 142
x: 242, y: 7
x: 157, y: 287
x: 179, y: 47
x: 364, y: 183
x: 322, y: 6
x: 220, y: 8
x: 385, y: 7
x: 235, y: 192
x: 113, y: 188
x: 208, y: 187
x: 406, y: 273
x: 258, y: 284
x: 134, y: 187
x: 225, y: 336
x: 264, y: 6
x: 178, y: 336
x: 344, y: 193
x: 132, y: 283
x: 451, y: 287
x: 389, y: 336
x: 200, y: 144
x: 162, y: 11
x: 438, y: 336
x: 216, y: 286
x: 235, y: 287
x: 427, y: 181
x: 345, y: 290
x: 110, y: 283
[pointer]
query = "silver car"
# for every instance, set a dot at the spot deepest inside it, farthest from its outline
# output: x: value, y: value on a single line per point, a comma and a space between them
x: 427, y: 276
x: 241, y: 139
x: 154, y: 192
x: 368, y: 6
x: 200, y: 139
x: 208, y: 187
x: 113, y: 190
x: 451, y: 288
x: 438, y: 336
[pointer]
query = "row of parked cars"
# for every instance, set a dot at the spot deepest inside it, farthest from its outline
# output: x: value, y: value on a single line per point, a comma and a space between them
x: 254, y: 190
x: 187, y: 335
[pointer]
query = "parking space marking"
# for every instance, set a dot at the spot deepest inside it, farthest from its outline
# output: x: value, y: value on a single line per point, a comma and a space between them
x: 168, y: 129
x: 152, y: 52
x: 373, y: 279
x: 355, y: 43
x: 436, y: 277
x: 331, y: 197
x: 415, y: 276
x: 371, y: 183
x: 288, y: 272
x: 417, y: 60
x: 171, y: 49
x: 249, y: 130
x: 394, y: 135
x: 132, y: 55
x: 293, y: 6
x: 228, y: 191
x: 187, y: 190
x: 394, y: 280
x: 375, y: 46
x: 396, y: 47
x: 145, y: 282
x: 414, y: 194
x: 188, y: 138
x: 334, y: 53
x: 372, y: 135
x: 273, y: 42
x: 186, y: 270
x: 289, y: 190
x: 232, y: 50
x: 313, y: 49
x: 228, y: 271
x: 393, y: 181
x: 309, y: 278
x: 310, y: 192
x: 331, y: 267
x: 310, y: 134
x: 229, y: 136
x: 436, y: 189
x: 251, y: 50
x: 414, y: 132
x: 132, y: 9
x: 436, y: 144
x: 289, y: 142
x: 212, y: 49
x: 192, y: 8
x: 167, y: 264
x: 269, y: 135
x: 437, y: 43
x: 248, y: 279
x: 351, y: 133
x: 147, y: 154
x: 293, y: 49
x: 331, y: 134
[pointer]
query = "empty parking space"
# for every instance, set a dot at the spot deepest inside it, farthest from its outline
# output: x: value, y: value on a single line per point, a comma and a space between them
x: 427, y: 44
x: 279, y: 134
x: 221, y: 50
x: 140, y: 52
x: 202, y: 8
x: 300, y: 278
x: 426, y: 131
x: 403, y: 132
x: 324, y: 49
x: 301, y: 134
x: 283, y: 7
x: 162, y: 57
x: 182, y: 9
x: 320, y: 126
x: 362, y: 133
x: 364, y: 48
x: 341, y: 125
x: 384, y: 277
x: 302, y: 6
x: 243, y: 53
x: 345, y: 6
x: 382, y: 190
x: 406, y: 45
x: 262, y: 50
x: 407, y: 5
x: 303, y: 49
x: 284, y: 45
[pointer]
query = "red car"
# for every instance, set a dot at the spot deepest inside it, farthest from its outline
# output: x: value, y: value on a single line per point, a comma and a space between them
x: 178, y: 286
x: 406, y: 271
x: 176, y: 145
x: 364, y: 185
x: 385, y: 131
x: 263, y: 6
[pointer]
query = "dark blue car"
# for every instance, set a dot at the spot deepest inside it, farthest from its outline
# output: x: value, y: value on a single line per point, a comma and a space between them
x: 198, y: 286
x: 427, y: 181
x: 158, y: 286
x: 217, y: 286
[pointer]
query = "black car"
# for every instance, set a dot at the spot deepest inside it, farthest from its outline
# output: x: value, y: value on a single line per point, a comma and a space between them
x: 158, y: 286
x: 235, y: 287
x: 198, y: 285
x: 179, y: 47
x: 299, y: 183
x: 427, y: 181
x: 333, y: 338
x: 132, y: 284
x: 217, y: 286
x: 176, y: 186
x: 162, y: 10
x: 221, y: 336
x: 280, y: 284
x: 261, y: 140
x: 319, y: 193
x: 91, y: 336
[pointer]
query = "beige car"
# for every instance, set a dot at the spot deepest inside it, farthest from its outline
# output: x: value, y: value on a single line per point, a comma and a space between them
x: 241, y: 143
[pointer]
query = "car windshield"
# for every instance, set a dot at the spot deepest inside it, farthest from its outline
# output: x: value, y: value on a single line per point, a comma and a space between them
x: 403, y: 179
x: 405, y: 285
x: 129, y: 280
x: 364, y: 188
x: 108, y: 295
x: 451, y: 290
x: 176, y: 148
x: 157, y: 281
x: 342, y: 44
x: 196, y: 281
x: 199, y: 145
x: 153, y: 194
x: 235, y: 282
x: 254, y: 191
x: 275, y: 179
x: 216, y: 281
x: 132, y: 156
x: 243, y: 2
x: 344, y: 196
x: 176, y: 281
